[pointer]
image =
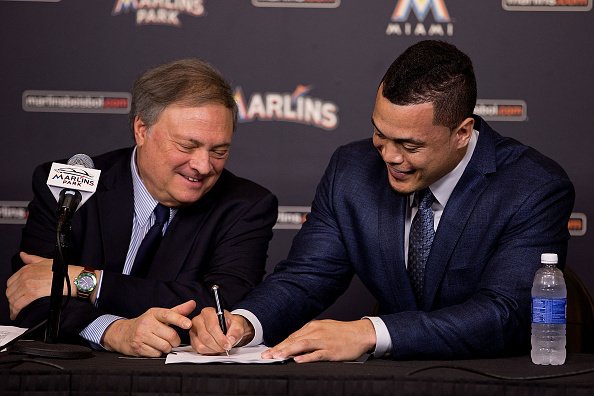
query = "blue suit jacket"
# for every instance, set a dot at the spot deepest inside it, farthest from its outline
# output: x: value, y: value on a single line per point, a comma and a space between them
x: 510, y: 205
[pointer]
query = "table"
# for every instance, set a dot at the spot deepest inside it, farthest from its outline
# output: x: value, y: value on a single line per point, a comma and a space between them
x: 113, y: 374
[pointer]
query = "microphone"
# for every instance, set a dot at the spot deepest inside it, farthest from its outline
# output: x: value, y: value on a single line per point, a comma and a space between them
x: 72, y: 185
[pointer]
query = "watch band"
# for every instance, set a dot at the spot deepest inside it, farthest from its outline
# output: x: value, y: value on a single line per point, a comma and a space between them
x: 84, y: 294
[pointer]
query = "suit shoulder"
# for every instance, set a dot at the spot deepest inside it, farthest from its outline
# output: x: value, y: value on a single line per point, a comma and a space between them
x: 360, y: 154
x: 514, y: 156
x: 107, y: 160
x: 235, y: 186
x: 357, y: 147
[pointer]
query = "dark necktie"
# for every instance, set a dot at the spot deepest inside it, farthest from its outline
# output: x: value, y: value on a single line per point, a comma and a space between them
x: 420, y: 240
x: 150, y: 243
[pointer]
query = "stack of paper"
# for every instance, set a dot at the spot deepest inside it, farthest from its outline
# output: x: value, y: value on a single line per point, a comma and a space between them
x: 237, y: 355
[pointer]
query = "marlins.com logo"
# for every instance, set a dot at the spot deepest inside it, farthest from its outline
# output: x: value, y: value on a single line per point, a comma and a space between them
x: 291, y: 217
x: 501, y: 109
x: 546, y: 5
x: 159, y: 12
x: 76, y: 101
x: 577, y: 224
x: 13, y: 212
x: 294, y: 106
x: 403, y: 25
x: 297, y: 3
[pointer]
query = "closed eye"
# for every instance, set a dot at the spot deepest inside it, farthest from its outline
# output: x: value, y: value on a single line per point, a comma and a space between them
x: 411, y: 148
x: 220, y: 153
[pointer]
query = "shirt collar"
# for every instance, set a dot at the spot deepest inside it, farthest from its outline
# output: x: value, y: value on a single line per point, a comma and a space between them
x: 144, y: 203
x: 443, y: 188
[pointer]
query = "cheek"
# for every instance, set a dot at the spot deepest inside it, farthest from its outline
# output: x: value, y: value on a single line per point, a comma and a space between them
x: 435, y: 164
x: 175, y: 158
x: 218, y: 165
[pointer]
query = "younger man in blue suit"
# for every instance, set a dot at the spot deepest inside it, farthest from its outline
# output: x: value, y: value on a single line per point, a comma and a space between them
x: 442, y: 218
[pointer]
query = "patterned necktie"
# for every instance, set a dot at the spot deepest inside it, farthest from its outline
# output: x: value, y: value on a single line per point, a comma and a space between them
x: 150, y: 243
x: 420, y: 240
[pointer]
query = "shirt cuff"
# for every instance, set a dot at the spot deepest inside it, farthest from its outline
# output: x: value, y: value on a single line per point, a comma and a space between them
x: 250, y: 317
x: 383, y: 343
x: 94, y: 331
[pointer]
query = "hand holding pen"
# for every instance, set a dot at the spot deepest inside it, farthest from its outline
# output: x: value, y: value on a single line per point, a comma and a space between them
x: 206, y: 334
x: 220, y: 311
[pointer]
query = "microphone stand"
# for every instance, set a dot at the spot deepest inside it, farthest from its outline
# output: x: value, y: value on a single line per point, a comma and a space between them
x: 50, y: 347
x: 59, y: 270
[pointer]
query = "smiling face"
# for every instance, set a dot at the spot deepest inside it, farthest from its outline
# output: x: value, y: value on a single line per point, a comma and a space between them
x: 182, y: 155
x: 417, y: 153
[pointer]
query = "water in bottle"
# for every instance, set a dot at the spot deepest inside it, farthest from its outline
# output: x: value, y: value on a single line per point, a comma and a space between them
x: 549, y: 296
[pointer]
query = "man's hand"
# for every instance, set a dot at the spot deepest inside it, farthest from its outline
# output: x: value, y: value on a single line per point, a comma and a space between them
x: 207, y: 337
x: 326, y: 340
x: 33, y: 281
x: 149, y: 334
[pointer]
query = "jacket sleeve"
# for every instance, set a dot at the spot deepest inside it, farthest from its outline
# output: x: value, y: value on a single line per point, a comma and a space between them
x: 316, y: 272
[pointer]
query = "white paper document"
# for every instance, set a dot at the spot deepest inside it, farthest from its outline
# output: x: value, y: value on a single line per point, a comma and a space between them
x: 9, y: 333
x: 236, y: 355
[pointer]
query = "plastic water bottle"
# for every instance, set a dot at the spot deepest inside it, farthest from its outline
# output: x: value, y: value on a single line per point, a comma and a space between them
x: 549, y: 297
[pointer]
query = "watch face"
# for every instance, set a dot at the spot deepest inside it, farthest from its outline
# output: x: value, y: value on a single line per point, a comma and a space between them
x: 85, y: 282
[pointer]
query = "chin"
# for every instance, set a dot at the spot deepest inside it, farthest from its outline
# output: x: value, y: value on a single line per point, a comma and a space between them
x: 401, y: 188
x: 189, y: 200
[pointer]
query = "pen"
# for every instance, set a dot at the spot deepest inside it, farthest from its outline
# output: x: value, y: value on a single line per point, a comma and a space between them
x: 220, y: 311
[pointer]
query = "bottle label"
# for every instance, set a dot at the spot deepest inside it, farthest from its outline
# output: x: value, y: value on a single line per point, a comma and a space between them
x: 548, y: 311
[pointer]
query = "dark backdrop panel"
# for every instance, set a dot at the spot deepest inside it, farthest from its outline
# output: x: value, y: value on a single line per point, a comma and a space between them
x: 542, y: 58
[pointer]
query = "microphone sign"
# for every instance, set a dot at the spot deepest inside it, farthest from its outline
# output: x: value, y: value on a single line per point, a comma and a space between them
x: 73, y: 177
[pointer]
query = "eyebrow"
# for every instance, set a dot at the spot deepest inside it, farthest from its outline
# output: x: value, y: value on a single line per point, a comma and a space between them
x: 400, y: 141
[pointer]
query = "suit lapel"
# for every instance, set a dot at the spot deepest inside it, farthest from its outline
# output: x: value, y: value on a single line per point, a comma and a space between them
x: 116, y: 207
x: 460, y: 205
x: 391, y: 215
x: 175, y: 248
x: 178, y: 241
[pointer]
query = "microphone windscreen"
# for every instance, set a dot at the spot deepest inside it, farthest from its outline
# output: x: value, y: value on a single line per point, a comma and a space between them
x: 81, y: 160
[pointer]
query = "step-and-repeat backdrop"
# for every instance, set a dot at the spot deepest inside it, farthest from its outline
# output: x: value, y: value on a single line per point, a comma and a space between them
x: 305, y: 74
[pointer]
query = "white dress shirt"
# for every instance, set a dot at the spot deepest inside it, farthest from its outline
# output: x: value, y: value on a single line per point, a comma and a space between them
x: 143, y: 219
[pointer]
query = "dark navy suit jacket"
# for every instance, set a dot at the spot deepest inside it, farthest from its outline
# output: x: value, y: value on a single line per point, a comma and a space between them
x: 222, y: 239
x: 510, y: 205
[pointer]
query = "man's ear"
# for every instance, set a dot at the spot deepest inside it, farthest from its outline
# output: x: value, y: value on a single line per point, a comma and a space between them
x: 140, y: 131
x: 464, y: 132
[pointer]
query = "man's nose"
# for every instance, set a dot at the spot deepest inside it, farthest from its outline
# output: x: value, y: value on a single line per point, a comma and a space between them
x: 391, y: 153
x: 200, y: 162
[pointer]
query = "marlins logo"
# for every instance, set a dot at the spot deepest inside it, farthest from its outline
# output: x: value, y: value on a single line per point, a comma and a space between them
x: 403, y: 25
x: 159, y: 12
x: 296, y: 106
x: 74, y: 176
